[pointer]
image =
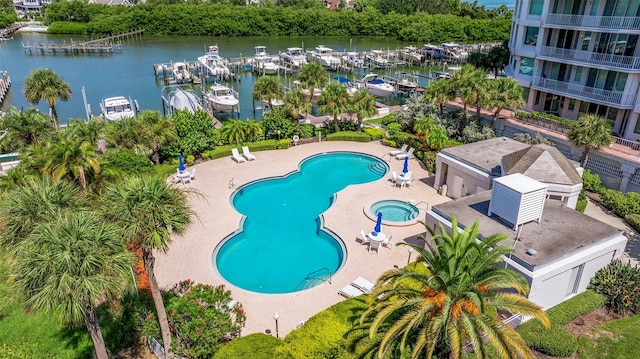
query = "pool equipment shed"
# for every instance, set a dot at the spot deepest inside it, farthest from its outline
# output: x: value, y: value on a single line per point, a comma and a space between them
x: 517, y: 199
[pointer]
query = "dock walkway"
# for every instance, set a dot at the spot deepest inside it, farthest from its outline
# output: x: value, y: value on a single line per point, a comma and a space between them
x: 104, y: 45
x: 5, y: 84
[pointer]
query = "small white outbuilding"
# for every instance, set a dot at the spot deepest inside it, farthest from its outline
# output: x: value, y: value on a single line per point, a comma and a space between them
x: 517, y: 199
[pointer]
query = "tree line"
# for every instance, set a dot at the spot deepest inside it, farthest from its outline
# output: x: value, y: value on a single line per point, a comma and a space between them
x: 205, y: 19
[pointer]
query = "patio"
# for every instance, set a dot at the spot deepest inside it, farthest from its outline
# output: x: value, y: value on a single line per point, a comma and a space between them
x: 190, y: 255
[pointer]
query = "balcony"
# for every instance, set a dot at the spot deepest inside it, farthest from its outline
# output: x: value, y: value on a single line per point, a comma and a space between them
x: 584, y: 93
x: 591, y: 59
x: 604, y: 23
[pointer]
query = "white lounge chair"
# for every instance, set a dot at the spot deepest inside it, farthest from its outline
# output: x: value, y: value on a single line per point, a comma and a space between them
x: 402, y: 149
x: 409, y: 154
x: 236, y: 156
x: 248, y: 155
x: 363, y: 284
x: 350, y: 291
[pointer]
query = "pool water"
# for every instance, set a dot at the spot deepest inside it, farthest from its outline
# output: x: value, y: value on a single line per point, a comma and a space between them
x: 281, y: 246
x: 395, y: 211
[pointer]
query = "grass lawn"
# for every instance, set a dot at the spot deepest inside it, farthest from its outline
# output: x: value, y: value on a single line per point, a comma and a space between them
x: 35, y: 335
x: 615, y: 339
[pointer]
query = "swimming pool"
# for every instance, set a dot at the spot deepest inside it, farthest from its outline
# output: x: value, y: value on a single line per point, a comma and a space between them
x: 394, y: 212
x: 281, y: 246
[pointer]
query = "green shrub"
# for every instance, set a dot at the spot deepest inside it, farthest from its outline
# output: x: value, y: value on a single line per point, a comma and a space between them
x: 283, y: 144
x: 581, y: 205
x: 388, y: 119
x: 305, y: 131
x: 128, y: 161
x: 375, y: 133
x: 390, y: 143
x: 429, y: 160
x: 349, y: 136
x: 265, y: 145
x: 633, y: 220
x: 583, y: 303
x: 67, y: 27
x: 190, y: 160
x: 255, y: 346
x: 591, y: 182
x: 620, y: 283
x: 394, y: 129
x: 620, y: 203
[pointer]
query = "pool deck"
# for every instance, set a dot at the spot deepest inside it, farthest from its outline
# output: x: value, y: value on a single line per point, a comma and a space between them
x: 190, y: 255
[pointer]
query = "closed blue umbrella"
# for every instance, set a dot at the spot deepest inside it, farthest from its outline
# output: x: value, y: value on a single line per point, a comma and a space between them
x: 405, y: 169
x: 377, y: 229
x: 181, y: 167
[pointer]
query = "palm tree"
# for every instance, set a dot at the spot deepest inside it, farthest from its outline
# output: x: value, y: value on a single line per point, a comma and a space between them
x: 44, y: 84
x: 505, y: 92
x: 590, y: 131
x: 158, y: 131
x: 67, y: 266
x: 89, y: 131
x: 127, y: 133
x: 465, y: 82
x: 423, y: 125
x: 450, y: 297
x: 268, y: 88
x: 69, y: 157
x: 234, y: 131
x: 439, y: 92
x: 149, y: 210
x: 334, y: 101
x: 297, y: 103
x: 437, y: 138
x: 24, y: 128
x: 252, y: 130
x: 313, y: 76
x: 364, y: 105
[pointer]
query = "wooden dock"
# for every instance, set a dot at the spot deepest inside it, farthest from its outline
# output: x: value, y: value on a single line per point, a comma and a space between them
x: 9, y: 30
x: 105, y: 45
x: 5, y: 84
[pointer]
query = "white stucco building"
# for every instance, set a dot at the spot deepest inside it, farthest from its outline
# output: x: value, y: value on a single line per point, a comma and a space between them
x: 579, y: 56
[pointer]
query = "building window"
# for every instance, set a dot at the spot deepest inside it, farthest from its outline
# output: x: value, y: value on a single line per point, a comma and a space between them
x: 537, y: 100
x: 636, y: 130
x: 535, y: 8
x: 531, y: 35
x: 525, y: 93
x: 526, y: 66
x: 572, y: 104
x: 578, y: 75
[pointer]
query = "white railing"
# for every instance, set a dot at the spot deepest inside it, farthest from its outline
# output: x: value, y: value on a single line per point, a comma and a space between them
x: 595, y: 22
x: 578, y: 91
x: 624, y: 145
x: 616, y: 62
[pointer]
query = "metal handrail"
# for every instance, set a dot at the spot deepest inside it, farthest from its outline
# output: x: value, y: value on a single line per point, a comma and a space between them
x: 320, y: 270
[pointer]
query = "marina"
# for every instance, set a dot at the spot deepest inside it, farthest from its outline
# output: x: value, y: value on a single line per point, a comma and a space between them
x: 105, y: 45
x: 5, y: 84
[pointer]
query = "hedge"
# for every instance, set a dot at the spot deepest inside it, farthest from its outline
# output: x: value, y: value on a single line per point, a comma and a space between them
x: 633, y: 220
x: 255, y: 346
x: 265, y: 145
x: 375, y: 133
x: 556, y: 341
x: 349, y: 136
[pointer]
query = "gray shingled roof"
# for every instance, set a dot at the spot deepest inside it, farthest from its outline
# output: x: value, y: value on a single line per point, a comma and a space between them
x: 486, y: 155
x: 544, y: 163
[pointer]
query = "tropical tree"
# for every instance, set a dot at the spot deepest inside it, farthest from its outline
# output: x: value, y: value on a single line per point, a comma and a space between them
x: 23, y: 129
x: 439, y: 92
x: 423, y: 125
x: 149, y: 210
x: 67, y: 266
x: 313, y: 76
x: 252, y: 130
x: 234, y: 131
x: 44, y: 84
x: 334, y: 101
x: 504, y: 92
x: 72, y: 158
x: 437, y: 138
x: 590, y: 131
x: 364, y: 105
x: 268, y: 88
x: 449, y: 297
x: 126, y: 133
x: 297, y: 103
x: 466, y: 82
x: 90, y: 131
x: 158, y: 131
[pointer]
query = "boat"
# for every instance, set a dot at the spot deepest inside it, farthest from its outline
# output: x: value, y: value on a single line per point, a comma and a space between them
x: 324, y: 56
x: 350, y: 86
x: 432, y: 52
x: 441, y: 75
x: 185, y: 100
x: 294, y: 57
x: 406, y: 82
x: 263, y: 63
x: 214, y: 63
x: 377, y: 58
x: 181, y: 72
x: 352, y: 59
x: 222, y: 98
x: 454, y: 51
x: 411, y: 55
x: 313, y: 97
x: 118, y: 108
x: 376, y: 86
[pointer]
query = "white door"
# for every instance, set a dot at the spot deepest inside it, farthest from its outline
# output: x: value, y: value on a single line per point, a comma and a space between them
x: 455, y: 189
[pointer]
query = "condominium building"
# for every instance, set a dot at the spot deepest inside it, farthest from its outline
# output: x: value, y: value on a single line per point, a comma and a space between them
x: 575, y: 57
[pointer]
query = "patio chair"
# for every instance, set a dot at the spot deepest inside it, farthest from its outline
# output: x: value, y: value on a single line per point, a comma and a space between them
x: 363, y: 284
x: 394, y: 178
x: 248, y: 155
x: 236, y: 156
x: 375, y: 245
x: 387, y: 242
x: 402, y: 149
x: 365, y: 238
x: 193, y: 174
x: 409, y: 154
x: 350, y: 291
x: 406, y: 179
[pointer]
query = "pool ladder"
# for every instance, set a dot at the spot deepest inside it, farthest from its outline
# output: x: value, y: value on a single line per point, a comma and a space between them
x: 308, y: 276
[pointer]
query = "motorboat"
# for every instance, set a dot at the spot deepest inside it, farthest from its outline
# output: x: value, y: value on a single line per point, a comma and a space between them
x: 432, y: 52
x: 263, y: 63
x: 222, y: 98
x: 312, y: 96
x: 376, y: 86
x: 378, y: 59
x: 352, y: 59
x: 441, y: 75
x: 181, y: 72
x: 324, y: 56
x: 294, y: 57
x: 406, y: 82
x: 350, y: 86
x: 118, y: 108
x: 454, y: 51
x: 214, y: 63
x: 411, y: 55
x: 185, y: 100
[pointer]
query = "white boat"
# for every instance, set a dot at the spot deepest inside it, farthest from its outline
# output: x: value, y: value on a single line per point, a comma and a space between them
x: 406, y: 82
x: 378, y: 59
x: 376, y: 86
x: 214, y: 63
x: 441, y: 75
x: 180, y: 99
x: 263, y: 63
x: 222, y: 98
x: 294, y: 57
x: 352, y: 59
x: 324, y: 56
x: 181, y: 72
x: 118, y: 108
x: 345, y: 82
x: 411, y: 55
x: 312, y: 96
x: 454, y: 51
